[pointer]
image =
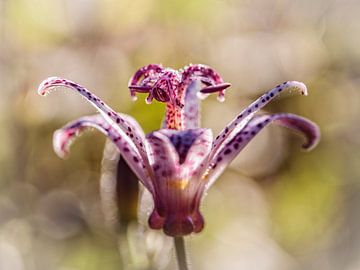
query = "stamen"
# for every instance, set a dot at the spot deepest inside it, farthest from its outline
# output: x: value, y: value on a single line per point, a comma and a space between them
x: 215, y: 88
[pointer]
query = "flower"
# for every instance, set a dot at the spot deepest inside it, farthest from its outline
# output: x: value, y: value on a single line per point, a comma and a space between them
x: 180, y: 161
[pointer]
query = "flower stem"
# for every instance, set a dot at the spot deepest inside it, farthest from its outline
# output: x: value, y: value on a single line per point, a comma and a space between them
x: 181, y: 255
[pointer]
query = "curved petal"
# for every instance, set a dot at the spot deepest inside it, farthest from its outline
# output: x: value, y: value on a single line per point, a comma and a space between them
x: 163, y: 156
x: 228, y: 152
x: 63, y: 138
x: 198, y: 153
x: 180, y: 156
x: 240, y: 121
x: 165, y: 164
x: 177, y: 155
x: 116, y: 120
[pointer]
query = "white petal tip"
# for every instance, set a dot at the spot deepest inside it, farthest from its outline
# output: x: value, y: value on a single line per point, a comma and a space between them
x: 300, y: 86
x: 45, y: 85
x: 221, y: 98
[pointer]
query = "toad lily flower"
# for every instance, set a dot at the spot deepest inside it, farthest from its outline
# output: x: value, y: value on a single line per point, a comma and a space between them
x: 179, y: 162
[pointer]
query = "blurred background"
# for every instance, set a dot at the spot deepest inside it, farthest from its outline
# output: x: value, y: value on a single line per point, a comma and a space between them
x: 276, y: 207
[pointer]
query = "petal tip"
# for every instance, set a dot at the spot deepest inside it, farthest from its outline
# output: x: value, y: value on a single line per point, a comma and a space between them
x: 314, y: 141
x: 299, y: 86
x: 61, y: 144
x: 46, y: 85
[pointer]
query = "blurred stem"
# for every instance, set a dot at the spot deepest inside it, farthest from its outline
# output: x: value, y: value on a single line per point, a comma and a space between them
x: 181, y: 256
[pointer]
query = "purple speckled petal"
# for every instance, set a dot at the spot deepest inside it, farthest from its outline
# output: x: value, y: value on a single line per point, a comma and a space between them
x: 64, y: 137
x: 116, y: 120
x: 197, y: 156
x: 177, y: 158
x: 192, y: 147
x: 165, y: 164
x: 163, y: 155
x: 240, y: 121
x: 228, y: 152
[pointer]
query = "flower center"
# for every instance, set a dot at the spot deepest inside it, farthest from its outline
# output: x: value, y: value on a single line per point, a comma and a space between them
x: 179, y: 184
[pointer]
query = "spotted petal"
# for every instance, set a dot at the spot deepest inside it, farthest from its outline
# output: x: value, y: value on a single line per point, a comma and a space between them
x: 229, y: 151
x: 177, y: 157
x: 240, y: 121
x: 114, y: 119
x: 65, y: 136
x: 198, y: 154
x: 164, y: 161
x: 163, y: 156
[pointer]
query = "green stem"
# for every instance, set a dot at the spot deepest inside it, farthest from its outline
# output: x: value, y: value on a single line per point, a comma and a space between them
x: 181, y: 255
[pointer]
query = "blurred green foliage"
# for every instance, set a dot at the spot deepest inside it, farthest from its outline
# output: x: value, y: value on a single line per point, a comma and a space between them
x: 276, y: 208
